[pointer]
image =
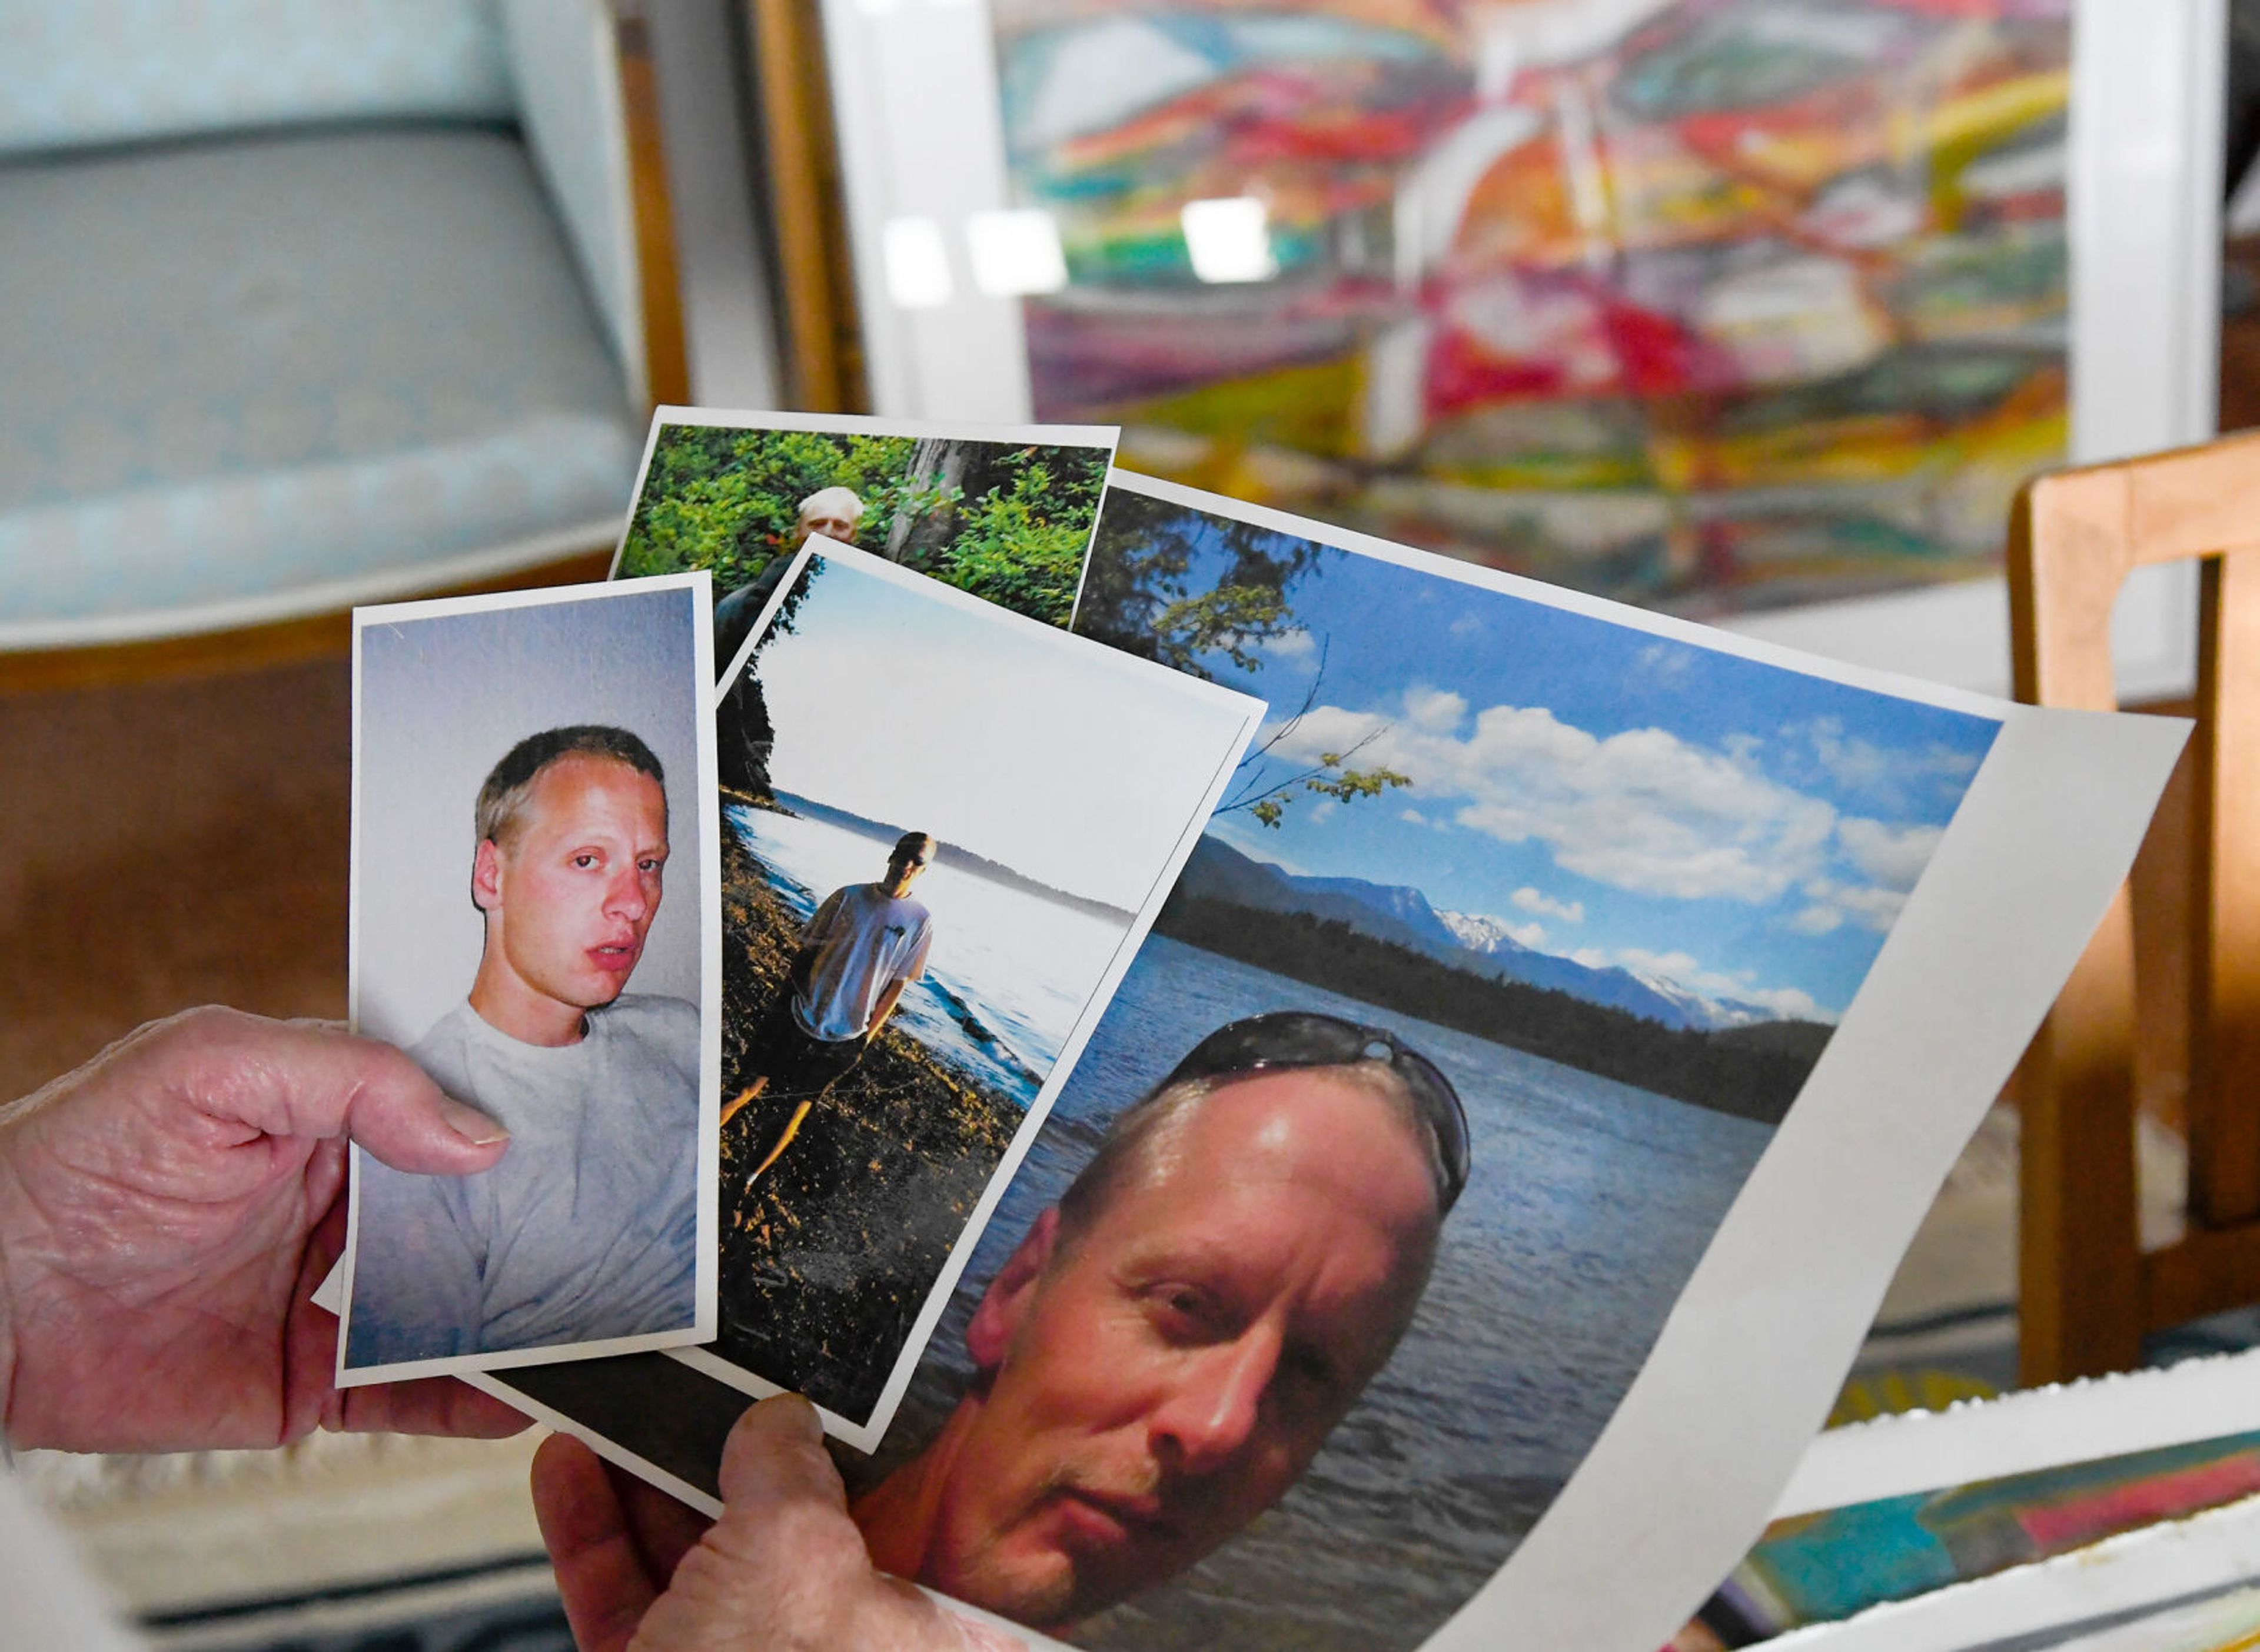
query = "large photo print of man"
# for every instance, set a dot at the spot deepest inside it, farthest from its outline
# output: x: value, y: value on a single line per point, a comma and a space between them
x: 1171, y: 1343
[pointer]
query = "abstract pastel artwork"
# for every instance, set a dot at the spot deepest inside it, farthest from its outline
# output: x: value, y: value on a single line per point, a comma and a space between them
x: 1710, y: 304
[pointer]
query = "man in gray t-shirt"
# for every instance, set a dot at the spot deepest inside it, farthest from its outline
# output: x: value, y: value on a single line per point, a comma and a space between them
x: 587, y: 1230
x: 860, y: 948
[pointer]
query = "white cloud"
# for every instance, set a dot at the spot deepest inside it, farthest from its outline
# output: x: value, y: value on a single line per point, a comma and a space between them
x: 1291, y: 645
x: 1433, y: 711
x: 1531, y: 935
x: 1792, y: 1003
x: 1466, y: 626
x: 1414, y: 815
x: 1531, y: 900
x: 1892, y: 777
x: 1592, y: 957
x: 1666, y: 660
x: 1892, y: 856
x: 1643, y: 810
x: 1836, y: 904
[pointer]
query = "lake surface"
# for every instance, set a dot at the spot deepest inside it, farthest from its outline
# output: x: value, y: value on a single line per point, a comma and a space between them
x: 1008, y: 973
x: 1589, y: 1205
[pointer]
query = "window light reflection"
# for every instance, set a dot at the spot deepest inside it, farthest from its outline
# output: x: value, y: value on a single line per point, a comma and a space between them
x: 918, y: 264
x: 1015, y: 252
x: 1227, y: 239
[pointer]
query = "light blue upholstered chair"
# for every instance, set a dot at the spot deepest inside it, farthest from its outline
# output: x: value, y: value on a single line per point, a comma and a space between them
x: 309, y: 302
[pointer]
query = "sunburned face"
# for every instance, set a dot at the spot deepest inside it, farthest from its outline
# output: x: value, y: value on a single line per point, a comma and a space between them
x: 1160, y: 1380
x: 571, y: 896
x: 833, y: 522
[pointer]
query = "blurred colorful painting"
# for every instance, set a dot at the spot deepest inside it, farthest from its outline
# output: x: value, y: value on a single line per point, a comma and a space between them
x: 1711, y: 305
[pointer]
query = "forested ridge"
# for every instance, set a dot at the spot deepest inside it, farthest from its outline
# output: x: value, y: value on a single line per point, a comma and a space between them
x: 1751, y: 1072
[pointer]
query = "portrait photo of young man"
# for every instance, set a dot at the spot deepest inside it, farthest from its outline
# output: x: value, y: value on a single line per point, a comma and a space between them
x: 587, y: 1230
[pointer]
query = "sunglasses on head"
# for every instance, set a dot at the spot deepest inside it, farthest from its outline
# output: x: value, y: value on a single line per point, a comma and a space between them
x: 1286, y: 1039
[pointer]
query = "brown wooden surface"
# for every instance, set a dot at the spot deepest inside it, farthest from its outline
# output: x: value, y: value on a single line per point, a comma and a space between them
x: 2213, y: 1270
x: 666, y: 368
x: 806, y: 225
x: 2080, y: 1284
x: 2224, y: 1004
x: 2088, y: 1293
x: 169, y: 842
x: 2161, y: 890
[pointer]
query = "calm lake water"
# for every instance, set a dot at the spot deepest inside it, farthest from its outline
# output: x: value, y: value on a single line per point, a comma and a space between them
x: 1008, y: 973
x: 1589, y: 1205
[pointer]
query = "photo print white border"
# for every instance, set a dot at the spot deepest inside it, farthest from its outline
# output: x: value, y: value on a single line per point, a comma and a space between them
x: 705, y: 792
x: 1689, y: 1468
x: 920, y: 128
x: 1104, y: 437
x: 864, y: 1434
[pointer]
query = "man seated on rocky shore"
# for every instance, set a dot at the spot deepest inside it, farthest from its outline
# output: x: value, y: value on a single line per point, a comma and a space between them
x: 587, y: 1229
x: 862, y: 946
x: 1170, y: 1344
x: 831, y: 511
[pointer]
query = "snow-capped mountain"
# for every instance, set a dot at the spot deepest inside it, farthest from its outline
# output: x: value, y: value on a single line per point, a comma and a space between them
x: 1706, y: 1010
x: 1479, y: 933
x: 1474, y: 941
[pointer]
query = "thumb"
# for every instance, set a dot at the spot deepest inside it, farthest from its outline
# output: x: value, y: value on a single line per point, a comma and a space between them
x: 785, y: 1541
x: 775, y: 1458
x: 310, y: 1079
x: 784, y: 1567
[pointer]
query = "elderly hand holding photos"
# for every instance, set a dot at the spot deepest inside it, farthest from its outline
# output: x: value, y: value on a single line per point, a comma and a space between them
x: 1284, y: 1104
x: 164, y: 1212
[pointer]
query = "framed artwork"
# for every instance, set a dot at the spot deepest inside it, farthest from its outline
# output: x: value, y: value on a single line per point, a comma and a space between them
x: 1754, y: 310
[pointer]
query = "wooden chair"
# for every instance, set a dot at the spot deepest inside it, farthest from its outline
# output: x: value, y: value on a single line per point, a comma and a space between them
x: 2089, y: 1291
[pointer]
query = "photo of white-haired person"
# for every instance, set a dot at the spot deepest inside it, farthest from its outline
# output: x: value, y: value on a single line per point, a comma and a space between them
x: 1002, y: 513
x: 587, y: 1228
x: 832, y: 512
x: 1170, y: 1343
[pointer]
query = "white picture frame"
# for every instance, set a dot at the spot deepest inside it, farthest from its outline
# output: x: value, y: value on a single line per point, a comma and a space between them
x: 914, y: 91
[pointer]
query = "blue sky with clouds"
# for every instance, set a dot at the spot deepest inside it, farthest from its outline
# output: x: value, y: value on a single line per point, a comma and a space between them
x: 1613, y: 796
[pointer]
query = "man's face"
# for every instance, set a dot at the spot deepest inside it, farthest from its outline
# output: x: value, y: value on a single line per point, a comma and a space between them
x: 1164, y: 1377
x: 902, y: 871
x: 833, y: 521
x: 571, y: 898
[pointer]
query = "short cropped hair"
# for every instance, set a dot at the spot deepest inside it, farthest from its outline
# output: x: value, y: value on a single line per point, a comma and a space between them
x: 1137, y: 1144
x: 510, y: 783
x: 923, y: 845
x: 847, y: 501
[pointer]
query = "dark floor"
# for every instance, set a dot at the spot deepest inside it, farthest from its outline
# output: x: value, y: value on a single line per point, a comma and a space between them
x: 167, y: 845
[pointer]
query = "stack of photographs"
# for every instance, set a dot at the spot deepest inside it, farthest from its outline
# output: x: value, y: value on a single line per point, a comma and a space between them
x: 1275, y: 1090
